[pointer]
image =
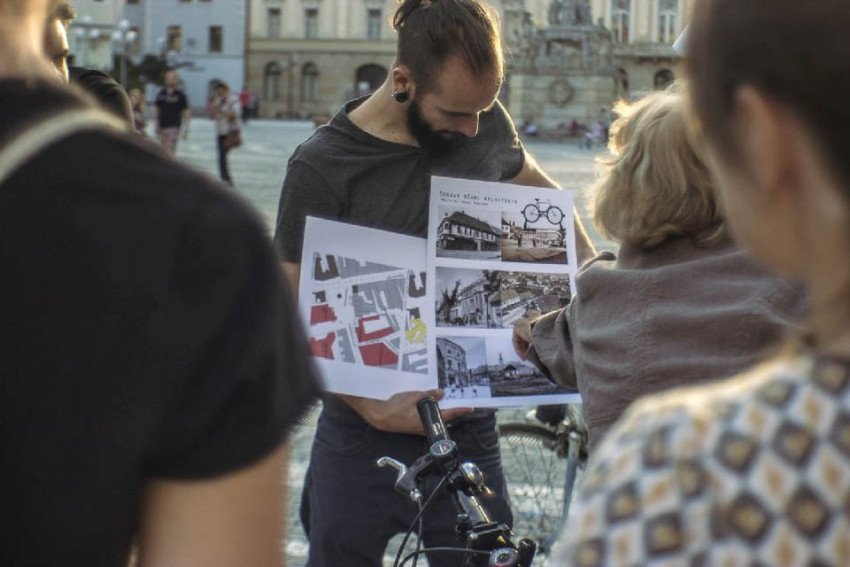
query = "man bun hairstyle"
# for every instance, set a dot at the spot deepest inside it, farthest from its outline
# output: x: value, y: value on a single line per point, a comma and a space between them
x: 797, y: 53
x: 430, y: 32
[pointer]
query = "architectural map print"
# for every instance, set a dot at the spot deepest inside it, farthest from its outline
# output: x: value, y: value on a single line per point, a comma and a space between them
x: 363, y: 295
x: 368, y: 314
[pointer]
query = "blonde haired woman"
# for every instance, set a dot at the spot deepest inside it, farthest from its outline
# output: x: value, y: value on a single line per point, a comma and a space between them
x: 680, y: 303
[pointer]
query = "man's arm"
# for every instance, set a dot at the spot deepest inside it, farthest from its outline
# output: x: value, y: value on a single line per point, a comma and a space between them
x: 236, y: 519
x: 533, y: 176
x: 397, y: 414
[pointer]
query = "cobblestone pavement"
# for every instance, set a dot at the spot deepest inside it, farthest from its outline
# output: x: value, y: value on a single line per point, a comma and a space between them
x: 258, y: 168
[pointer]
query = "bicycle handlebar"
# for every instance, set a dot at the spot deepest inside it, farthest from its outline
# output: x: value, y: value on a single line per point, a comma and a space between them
x: 466, y: 483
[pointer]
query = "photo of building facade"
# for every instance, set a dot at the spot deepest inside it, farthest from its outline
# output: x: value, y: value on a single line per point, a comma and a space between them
x: 456, y: 357
x: 468, y: 235
x: 468, y: 298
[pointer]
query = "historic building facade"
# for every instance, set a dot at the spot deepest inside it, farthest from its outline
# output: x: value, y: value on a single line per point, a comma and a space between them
x: 204, y: 40
x: 306, y: 57
x: 643, y: 32
x: 90, y: 35
x: 460, y: 231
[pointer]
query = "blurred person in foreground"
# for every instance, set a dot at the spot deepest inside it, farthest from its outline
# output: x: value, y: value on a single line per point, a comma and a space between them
x: 437, y: 113
x: 754, y: 470
x: 106, y: 90
x: 171, y: 112
x: 150, y: 365
x: 680, y: 303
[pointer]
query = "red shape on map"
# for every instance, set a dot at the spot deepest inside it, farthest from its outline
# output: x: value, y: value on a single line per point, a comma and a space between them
x: 363, y: 336
x: 323, y: 348
x: 322, y: 314
x: 378, y: 354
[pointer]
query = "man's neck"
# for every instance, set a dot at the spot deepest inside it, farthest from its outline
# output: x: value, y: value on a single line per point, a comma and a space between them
x: 381, y: 116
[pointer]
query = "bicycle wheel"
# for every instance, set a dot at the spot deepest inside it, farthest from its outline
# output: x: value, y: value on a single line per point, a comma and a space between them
x: 535, y: 475
x: 555, y: 215
x: 531, y: 213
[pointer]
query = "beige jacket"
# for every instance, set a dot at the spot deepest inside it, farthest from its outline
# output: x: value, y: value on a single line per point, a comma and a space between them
x: 650, y: 320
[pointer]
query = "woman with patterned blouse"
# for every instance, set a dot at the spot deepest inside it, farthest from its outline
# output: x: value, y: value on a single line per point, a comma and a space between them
x: 754, y: 470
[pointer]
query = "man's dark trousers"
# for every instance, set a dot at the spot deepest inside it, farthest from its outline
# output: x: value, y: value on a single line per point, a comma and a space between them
x: 355, y: 532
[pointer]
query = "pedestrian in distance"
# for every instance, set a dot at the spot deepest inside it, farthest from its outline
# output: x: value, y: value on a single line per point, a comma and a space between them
x: 171, y: 113
x: 245, y: 101
x: 151, y: 361
x: 437, y: 113
x: 224, y: 109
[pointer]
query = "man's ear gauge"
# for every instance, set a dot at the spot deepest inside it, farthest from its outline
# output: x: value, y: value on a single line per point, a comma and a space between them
x: 401, y: 96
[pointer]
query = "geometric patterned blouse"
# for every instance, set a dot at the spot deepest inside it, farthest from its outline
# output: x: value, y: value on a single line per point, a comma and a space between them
x: 752, y: 471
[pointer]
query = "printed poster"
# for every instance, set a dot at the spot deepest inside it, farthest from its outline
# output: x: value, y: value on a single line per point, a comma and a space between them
x: 363, y: 300
x: 496, y: 253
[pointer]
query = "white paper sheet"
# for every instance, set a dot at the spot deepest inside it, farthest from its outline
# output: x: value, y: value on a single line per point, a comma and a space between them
x: 362, y: 297
x: 496, y: 252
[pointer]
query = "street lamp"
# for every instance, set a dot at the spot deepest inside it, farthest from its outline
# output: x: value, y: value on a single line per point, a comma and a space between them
x: 293, y: 61
x: 87, y: 35
x: 124, y: 39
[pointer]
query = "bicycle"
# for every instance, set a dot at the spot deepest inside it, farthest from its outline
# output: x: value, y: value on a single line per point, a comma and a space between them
x: 542, y: 459
x: 487, y: 543
x: 540, y: 208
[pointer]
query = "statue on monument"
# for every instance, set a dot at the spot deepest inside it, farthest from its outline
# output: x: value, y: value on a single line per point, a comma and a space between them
x: 569, y: 13
x: 556, y: 12
x: 582, y: 13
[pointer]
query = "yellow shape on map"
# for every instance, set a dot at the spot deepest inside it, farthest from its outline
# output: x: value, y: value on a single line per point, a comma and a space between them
x: 417, y: 331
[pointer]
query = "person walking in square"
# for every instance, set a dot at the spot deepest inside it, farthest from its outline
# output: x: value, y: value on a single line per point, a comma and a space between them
x: 224, y: 109
x: 171, y: 112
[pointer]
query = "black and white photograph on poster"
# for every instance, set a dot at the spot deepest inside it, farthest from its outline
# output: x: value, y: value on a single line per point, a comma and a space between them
x: 529, y: 294
x: 469, y: 234
x: 462, y: 368
x: 534, y: 234
x: 467, y: 298
x: 511, y: 377
x: 478, y: 295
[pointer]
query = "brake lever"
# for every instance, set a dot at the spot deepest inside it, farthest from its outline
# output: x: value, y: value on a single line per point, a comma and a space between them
x: 406, y: 481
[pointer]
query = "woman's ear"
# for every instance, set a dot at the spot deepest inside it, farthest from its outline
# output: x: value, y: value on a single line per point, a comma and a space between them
x: 767, y: 136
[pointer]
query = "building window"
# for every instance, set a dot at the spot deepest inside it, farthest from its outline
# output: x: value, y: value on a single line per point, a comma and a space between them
x: 373, y: 23
x: 271, y: 82
x: 174, y: 41
x: 309, y: 82
x: 132, y: 1
x: 668, y: 14
x: 274, y: 22
x: 621, y: 20
x: 216, y: 42
x: 663, y: 79
x: 311, y: 23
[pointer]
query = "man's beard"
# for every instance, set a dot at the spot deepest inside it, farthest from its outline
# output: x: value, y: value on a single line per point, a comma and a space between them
x: 434, y: 143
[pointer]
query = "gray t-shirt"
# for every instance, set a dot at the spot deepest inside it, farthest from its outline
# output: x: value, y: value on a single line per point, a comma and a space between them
x: 344, y: 173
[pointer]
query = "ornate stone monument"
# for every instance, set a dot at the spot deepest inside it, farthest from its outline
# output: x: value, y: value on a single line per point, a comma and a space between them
x: 564, y: 71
